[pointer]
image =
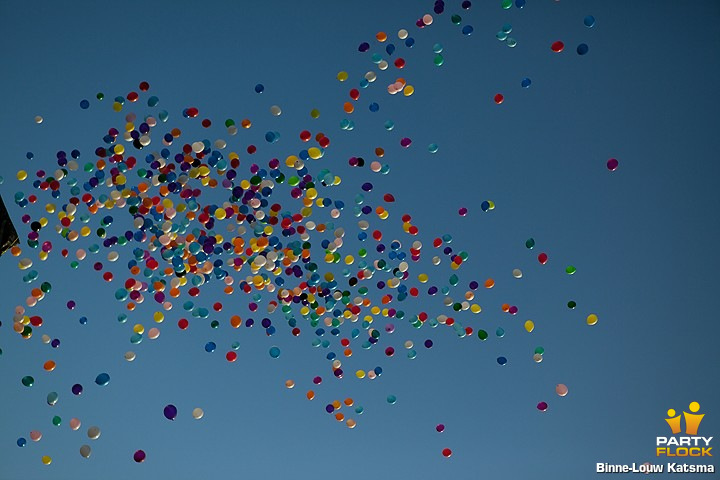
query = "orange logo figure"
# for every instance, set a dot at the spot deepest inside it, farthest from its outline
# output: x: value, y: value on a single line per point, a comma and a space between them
x: 692, y: 420
x: 673, y: 421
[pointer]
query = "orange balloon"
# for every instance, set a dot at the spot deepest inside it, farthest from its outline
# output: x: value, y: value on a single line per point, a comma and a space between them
x: 489, y: 283
x: 49, y: 366
x: 310, y: 395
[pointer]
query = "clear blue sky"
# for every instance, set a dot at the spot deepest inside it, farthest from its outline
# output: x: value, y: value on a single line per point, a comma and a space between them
x: 643, y: 238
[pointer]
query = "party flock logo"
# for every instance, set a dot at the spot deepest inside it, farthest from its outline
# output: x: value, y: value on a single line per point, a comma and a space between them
x: 688, y: 445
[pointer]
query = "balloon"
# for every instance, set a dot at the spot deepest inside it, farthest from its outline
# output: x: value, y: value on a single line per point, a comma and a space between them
x: 447, y: 453
x: 440, y: 428
x: 592, y: 319
x: 582, y: 49
x: 499, y: 98
x: 537, y: 357
x: 391, y: 399
x: 170, y: 412
x: 612, y: 164
x: 525, y: 83
x: 56, y: 421
x: 85, y: 451
x: 46, y: 460
x: 28, y: 381
x: 38, y: 119
x: 93, y: 433
x: 274, y: 352
x: 74, y: 424
x: 517, y: 273
x: 35, y: 436
x: 557, y: 47
x: 77, y: 389
x: 530, y: 243
x: 589, y: 21
x: 529, y: 326
x: 129, y: 356
x: 502, y: 360
x: 570, y: 270
x: 102, y: 379
x: 542, y: 406
x: 21, y: 442
x: 139, y: 456
x: 561, y: 389
x: 543, y: 258
x: 198, y: 413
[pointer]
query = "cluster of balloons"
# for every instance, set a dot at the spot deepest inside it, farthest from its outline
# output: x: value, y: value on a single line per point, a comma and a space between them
x: 148, y: 194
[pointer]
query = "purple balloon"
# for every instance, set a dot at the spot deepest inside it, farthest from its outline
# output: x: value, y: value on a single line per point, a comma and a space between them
x: 139, y: 456
x: 77, y: 389
x: 170, y: 412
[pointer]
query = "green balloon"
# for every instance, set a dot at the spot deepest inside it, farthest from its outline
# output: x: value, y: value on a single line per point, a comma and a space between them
x: 439, y: 60
x: 572, y: 304
x: 46, y: 287
x: 570, y: 270
x: 540, y: 350
x: 28, y: 381
x: 456, y: 19
x: 454, y: 280
x: 530, y: 243
x: 506, y: 4
x: 482, y: 335
x: 56, y: 421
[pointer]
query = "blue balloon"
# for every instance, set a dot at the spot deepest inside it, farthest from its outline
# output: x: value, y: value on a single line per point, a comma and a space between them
x: 582, y: 49
x: 21, y: 442
x: 467, y: 30
x: 502, y: 360
x: 210, y: 347
x: 102, y: 379
x: 84, y: 104
x: 259, y: 88
x: 525, y: 83
x: 589, y: 21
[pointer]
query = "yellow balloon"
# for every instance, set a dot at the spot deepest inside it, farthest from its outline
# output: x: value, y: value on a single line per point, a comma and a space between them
x: 529, y: 326
x: 592, y: 319
x: 342, y: 76
x: 46, y: 460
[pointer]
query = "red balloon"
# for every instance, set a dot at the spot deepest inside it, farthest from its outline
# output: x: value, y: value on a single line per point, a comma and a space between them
x: 543, y: 258
x: 388, y: 197
x: 557, y: 47
x: 499, y: 98
x: 446, y: 452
